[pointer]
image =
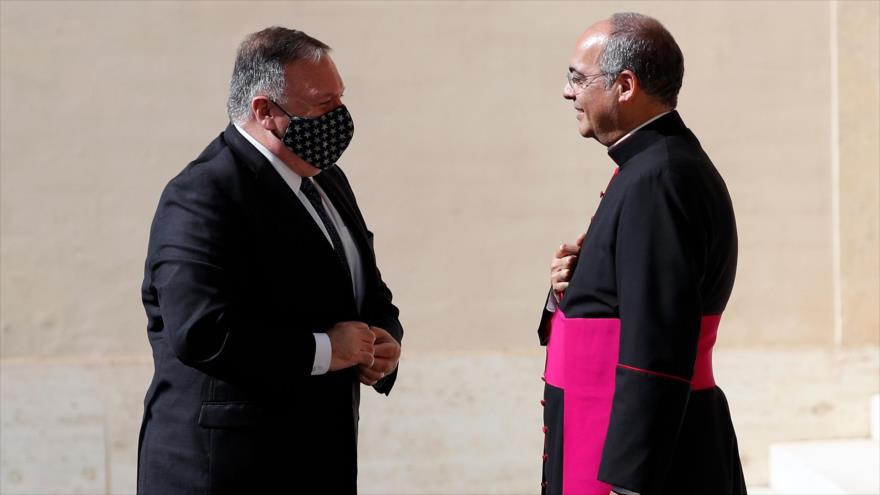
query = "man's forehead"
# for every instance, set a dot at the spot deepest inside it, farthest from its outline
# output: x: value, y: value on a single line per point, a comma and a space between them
x: 314, y: 79
x: 592, y: 40
x: 324, y: 91
x: 590, y: 44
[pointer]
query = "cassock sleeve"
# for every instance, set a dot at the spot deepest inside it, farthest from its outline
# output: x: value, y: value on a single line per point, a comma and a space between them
x: 192, y: 264
x: 550, y: 307
x: 659, y: 264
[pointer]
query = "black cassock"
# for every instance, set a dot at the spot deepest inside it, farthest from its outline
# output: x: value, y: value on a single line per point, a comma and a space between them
x: 630, y: 400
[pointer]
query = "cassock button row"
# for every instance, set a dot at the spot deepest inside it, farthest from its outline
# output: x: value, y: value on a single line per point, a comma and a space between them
x: 601, y: 194
x: 543, y: 484
x: 543, y: 403
x: 545, y: 456
x: 544, y: 429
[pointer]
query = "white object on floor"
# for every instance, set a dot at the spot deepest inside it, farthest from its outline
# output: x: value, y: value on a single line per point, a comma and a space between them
x: 826, y: 467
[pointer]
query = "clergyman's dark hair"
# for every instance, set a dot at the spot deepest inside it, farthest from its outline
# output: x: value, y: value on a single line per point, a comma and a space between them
x: 641, y: 44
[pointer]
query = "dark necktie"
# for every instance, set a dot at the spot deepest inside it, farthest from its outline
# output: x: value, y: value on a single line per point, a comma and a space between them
x: 311, y: 192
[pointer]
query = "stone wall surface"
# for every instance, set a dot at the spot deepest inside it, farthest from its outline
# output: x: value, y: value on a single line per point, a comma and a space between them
x: 456, y: 422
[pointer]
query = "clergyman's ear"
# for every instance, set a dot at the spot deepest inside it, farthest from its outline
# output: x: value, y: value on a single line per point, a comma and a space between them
x: 628, y: 84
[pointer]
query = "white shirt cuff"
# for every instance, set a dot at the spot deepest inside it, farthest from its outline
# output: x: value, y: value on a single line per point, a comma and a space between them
x: 552, y: 301
x: 323, y: 353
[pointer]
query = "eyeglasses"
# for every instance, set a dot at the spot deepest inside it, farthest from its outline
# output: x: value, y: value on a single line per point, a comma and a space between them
x: 578, y: 81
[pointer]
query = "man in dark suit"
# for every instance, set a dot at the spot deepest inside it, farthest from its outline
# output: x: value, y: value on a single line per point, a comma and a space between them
x: 630, y: 400
x: 266, y: 309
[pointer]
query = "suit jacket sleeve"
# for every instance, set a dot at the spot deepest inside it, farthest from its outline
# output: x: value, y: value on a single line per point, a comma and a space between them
x: 380, y: 311
x: 384, y: 314
x: 659, y: 262
x: 193, y: 261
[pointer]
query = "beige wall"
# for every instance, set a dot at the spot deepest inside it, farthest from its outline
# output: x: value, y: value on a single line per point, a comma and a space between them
x: 466, y: 159
x: 858, y: 227
x: 468, y: 167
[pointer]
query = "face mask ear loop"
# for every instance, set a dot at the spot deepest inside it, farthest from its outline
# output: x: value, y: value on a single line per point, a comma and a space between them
x: 291, y: 117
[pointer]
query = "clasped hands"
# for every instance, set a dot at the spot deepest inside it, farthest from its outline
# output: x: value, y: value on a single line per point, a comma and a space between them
x: 372, y: 349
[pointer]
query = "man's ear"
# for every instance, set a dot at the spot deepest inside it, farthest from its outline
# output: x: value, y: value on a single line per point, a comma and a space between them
x: 260, y: 107
x: 628, y: 85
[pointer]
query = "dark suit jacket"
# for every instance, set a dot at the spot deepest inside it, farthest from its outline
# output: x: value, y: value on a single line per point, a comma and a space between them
x: 238, y: 276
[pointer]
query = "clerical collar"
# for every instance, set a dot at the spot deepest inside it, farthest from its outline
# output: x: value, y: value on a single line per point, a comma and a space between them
x: 630, y: 133
x: 639, y: 139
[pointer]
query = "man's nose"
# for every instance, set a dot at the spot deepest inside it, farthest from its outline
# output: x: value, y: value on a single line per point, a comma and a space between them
x: 567, y: 92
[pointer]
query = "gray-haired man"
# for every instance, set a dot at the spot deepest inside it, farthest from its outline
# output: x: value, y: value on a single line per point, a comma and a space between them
x: 266, y: 310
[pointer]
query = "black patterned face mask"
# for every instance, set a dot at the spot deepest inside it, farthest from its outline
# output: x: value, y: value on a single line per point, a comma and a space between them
x: 319, y: 141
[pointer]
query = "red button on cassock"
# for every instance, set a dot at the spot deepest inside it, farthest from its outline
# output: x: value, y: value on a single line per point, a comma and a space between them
x: 544, y: 429
x: 543, y: 403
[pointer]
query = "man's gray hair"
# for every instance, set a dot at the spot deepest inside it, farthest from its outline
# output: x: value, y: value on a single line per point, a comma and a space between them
x: 259, y: 67
x: 641, y: 44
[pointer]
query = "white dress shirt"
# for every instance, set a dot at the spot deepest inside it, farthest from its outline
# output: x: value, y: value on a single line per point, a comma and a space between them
x: 323, y: 351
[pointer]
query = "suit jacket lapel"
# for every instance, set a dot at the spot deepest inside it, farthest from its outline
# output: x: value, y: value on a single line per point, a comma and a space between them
x: 288, y: 211
x: 295, y: 222
x: 285, y: 206
x: 346, y: 210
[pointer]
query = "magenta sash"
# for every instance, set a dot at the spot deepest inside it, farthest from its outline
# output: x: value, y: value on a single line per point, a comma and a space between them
x: 582, y: 360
